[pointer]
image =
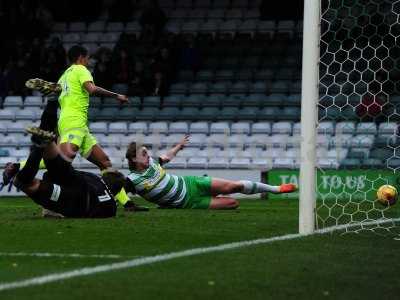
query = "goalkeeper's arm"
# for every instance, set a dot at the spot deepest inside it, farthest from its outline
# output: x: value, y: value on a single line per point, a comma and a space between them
x: 167, y: 157
x: 92, y: 89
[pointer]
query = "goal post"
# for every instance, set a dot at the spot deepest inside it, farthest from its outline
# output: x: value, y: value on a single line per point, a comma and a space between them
x: 309, y: 116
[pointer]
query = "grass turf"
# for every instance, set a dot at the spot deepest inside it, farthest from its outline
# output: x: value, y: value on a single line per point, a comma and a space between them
x: 324, y: 266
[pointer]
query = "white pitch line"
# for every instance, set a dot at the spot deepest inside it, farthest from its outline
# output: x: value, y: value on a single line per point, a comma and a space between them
x: 61, y: 255
x: 164, y: 257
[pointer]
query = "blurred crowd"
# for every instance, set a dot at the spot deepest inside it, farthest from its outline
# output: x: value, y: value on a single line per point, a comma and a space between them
x: 28, y: 52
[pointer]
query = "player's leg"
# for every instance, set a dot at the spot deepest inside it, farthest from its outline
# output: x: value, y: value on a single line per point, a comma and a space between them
x: 225, y: 187
x: 48, y: 122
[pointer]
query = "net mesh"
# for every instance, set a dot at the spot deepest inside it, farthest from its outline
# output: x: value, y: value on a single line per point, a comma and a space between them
x: 359, y: 107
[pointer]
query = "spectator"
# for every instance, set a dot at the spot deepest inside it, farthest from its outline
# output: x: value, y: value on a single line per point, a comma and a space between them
x: 152, y: 20
x: 190, y: 56
x: 102, y: 69
x: 122, y: 67
x: 163, y: 70
x: 139, y: 85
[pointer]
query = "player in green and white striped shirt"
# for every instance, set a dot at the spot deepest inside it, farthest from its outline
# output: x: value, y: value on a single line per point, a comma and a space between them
x: 153, y: 183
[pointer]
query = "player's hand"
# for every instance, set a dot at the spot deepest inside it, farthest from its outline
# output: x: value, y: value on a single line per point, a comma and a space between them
x: 122, y: 99
x: 184, y: 141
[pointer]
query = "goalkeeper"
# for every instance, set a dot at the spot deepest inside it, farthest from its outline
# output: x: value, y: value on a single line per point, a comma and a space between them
x: 65, y: 191
x: 150, y: 181
x: 75, y: 86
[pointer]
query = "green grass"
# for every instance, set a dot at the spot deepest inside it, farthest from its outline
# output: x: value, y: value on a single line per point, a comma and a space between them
x: 331, y: 266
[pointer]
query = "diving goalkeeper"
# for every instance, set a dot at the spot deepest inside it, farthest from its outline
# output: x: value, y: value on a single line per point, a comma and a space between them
x: 153, y: 183
x: 75, y: 86
x: 63, y: 190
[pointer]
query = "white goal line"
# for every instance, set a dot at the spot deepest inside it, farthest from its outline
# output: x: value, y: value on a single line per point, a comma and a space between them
x: 168, y: 256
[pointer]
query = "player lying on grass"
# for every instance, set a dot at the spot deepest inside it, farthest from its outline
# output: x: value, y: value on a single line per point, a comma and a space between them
x: 63, y: 190
x: 153, y: 183
x: 74, y: 87
x: 49, y: 121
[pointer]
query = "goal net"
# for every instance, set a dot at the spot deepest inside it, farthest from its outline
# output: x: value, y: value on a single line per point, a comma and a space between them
x: 358, y: 145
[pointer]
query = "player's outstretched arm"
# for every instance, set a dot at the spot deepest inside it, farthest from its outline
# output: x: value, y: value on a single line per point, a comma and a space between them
x: 167, y: 157
x: 92, y: 89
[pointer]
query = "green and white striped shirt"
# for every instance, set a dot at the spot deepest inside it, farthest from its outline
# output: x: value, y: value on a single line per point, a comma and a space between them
x: 157, y: 186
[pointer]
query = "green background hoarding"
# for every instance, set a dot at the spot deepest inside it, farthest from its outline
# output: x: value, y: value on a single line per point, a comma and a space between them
x: 354, y: 184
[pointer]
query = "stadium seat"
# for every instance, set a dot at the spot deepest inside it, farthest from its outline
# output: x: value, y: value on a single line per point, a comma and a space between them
x: 167, y: 114
x: 4, y: 124
x: 172, y: 101
x: 232, y: 100
x: 198, y: 14
x: 18, y: 127
x: 218, y: 163
x: 133, y: 27
x: 266, y: 28
x: 170, y: 140
x: 205, y: 75
x: 249, y: 113
x: 26, y: 114
x: 326, y: 127
x: 207, y: 113
x: 269, y: 113
x: 5, y: 160
x: 258, y: 87
x: 220, y: 87
x: 7, y: 114
x: 73, y: 38
x: 137, y: 127
x: 327, y: 163
x: 282, y: 127
x: 372, y: 163
x: 128, y: 114
x: 283, y: 163
x: 188, y: 152
x: 240, y: 163
x: 59, y: 27
x: 281, y: 87
x: 137, y: 137
x: 117, y: 127
x: 248, y: 27
x: 158, y: 127
x: 362, y: 141
x: 195, y: 101
x: 33, y: 101
x: 97, y: 26
x: 174, y: 26
x: 108, y: 113
x: 387, y: 128
x: 176, y: 163
x: 237, y: 140
x: 197, y: 140
x: 291, y: 113
x: 257, y: 140
x: 115, y: 27
x: 240, y: 128
x: 199, y: 127
x: 190, y: 27
x: 13, y: 101
x: 147, y: 114
x: 219, y: 127
x: 151, y: 101
x: 345, y: 127
x: 77, y: 27
x: 338, y: 153
x: 197, y: 163
x: 213, y: 100
x: 178, y: 127
x: 217, y: 140
x: 98, y: 127
x: 277, y: 140
x: 261, y: 163
x: 202, y: 4
x: 229, y: 114
x: 261, y: 128
x: 189, y: 114
x: 179, y: 88
x: 294, y: 141
x: 366, y: 128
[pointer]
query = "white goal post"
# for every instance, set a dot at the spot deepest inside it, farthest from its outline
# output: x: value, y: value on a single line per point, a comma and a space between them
x: 309, y: 116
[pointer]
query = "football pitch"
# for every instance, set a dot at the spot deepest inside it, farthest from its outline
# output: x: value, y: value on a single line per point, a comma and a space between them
x: 150, y: 256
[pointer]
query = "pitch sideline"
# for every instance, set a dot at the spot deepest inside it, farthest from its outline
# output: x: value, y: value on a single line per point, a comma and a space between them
x: 168, y: 256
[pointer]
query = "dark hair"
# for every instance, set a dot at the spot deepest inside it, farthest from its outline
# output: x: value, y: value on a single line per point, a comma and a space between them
x: 131, y: 155
x: 75, y: 51
x: 114, y: 180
